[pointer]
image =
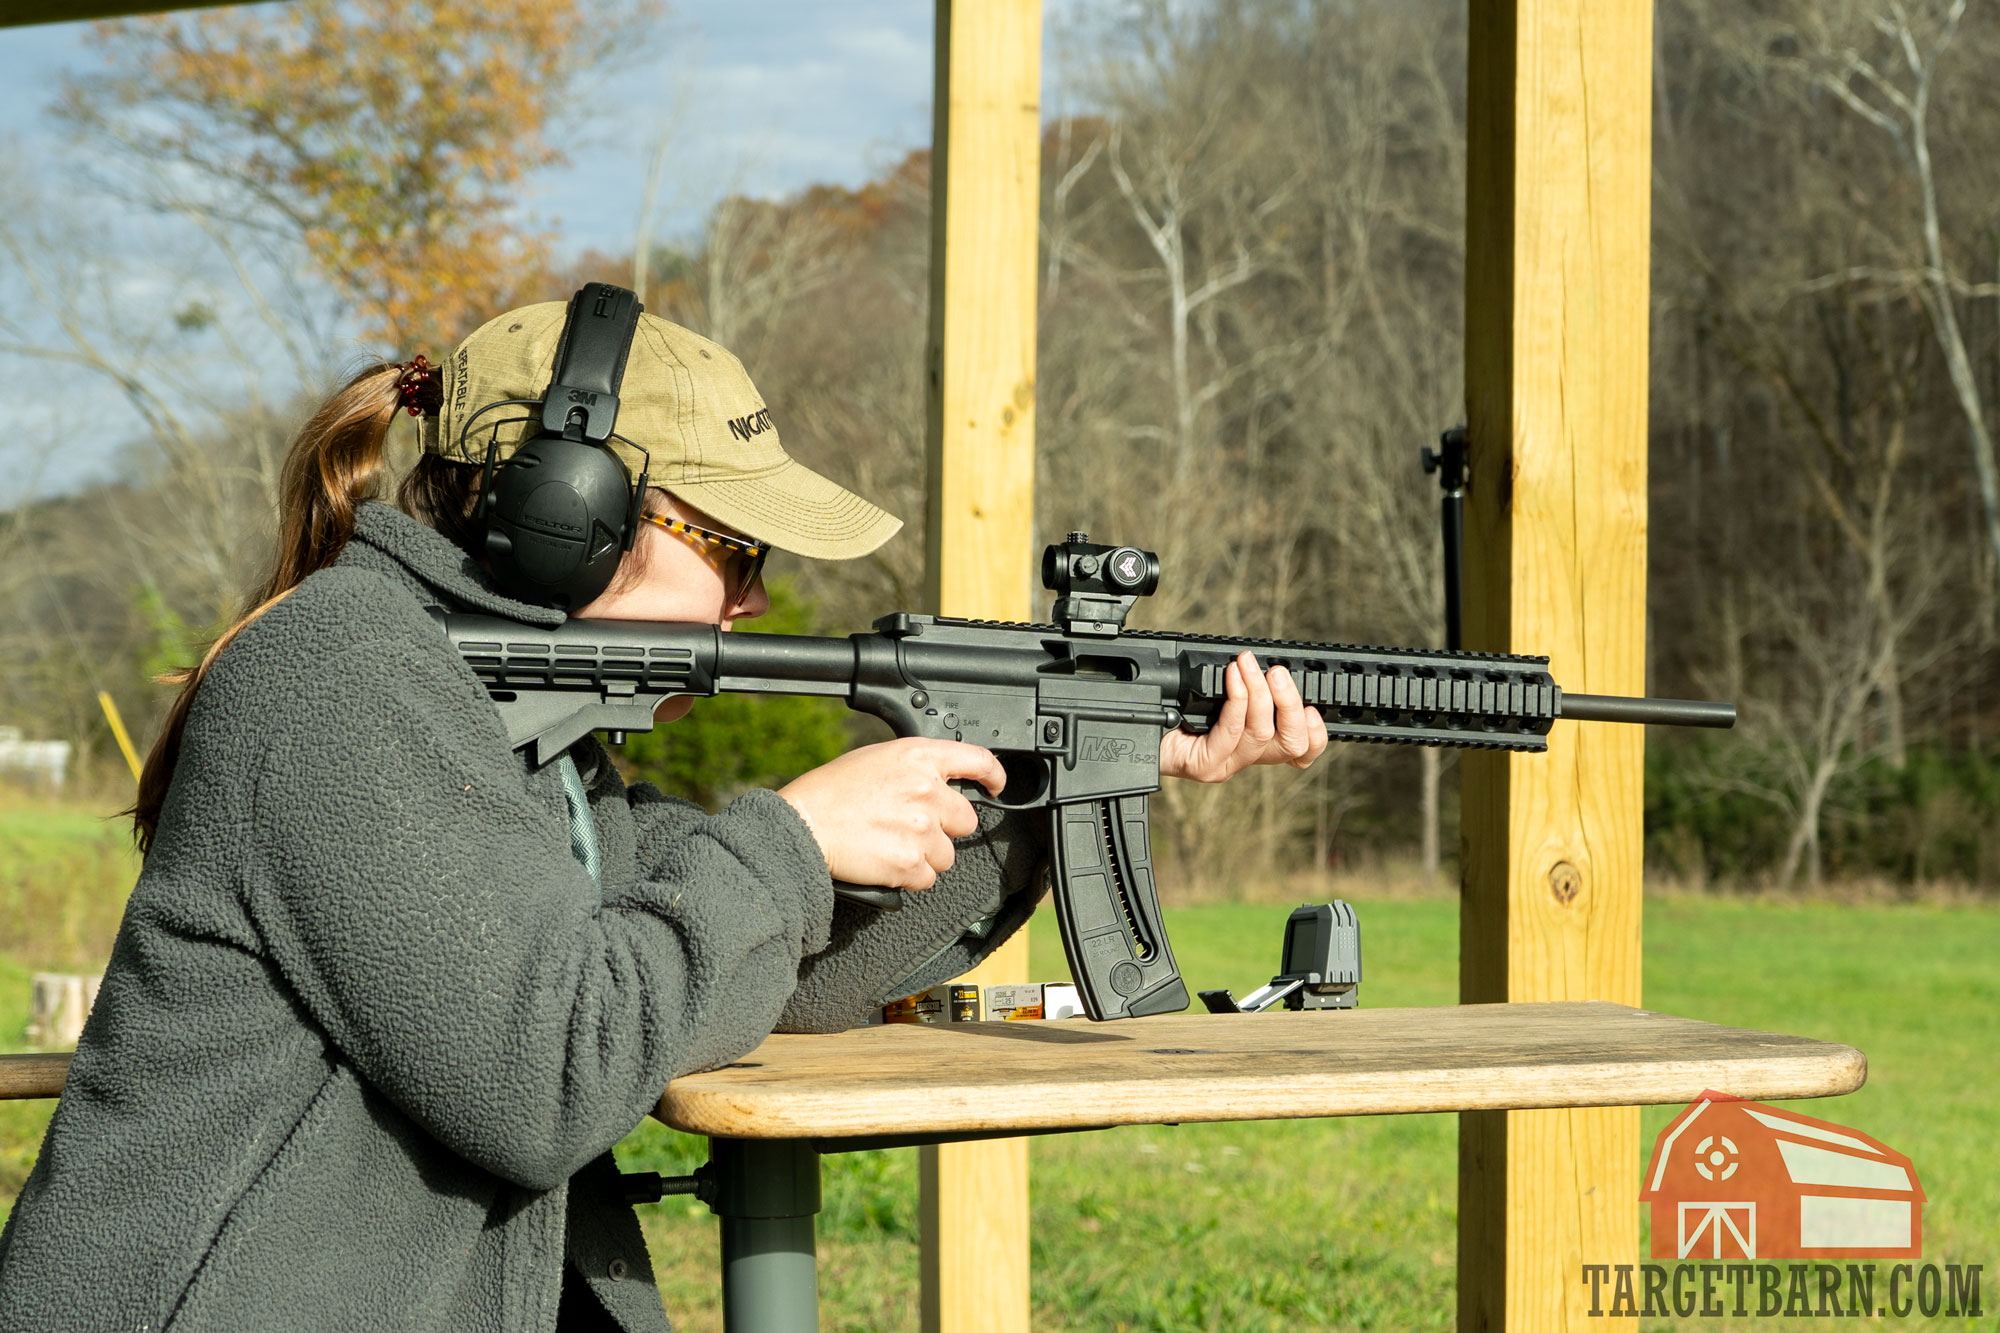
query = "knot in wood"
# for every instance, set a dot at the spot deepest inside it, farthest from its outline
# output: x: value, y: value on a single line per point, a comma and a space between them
x: 1565, y: 882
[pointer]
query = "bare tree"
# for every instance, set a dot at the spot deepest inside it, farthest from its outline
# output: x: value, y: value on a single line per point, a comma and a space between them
x: 1251, y: 300
x: 1881, y: 63
x: 1839, y: 649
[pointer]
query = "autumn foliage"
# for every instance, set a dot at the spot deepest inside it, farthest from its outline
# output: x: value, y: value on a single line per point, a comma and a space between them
x: 388, y: 137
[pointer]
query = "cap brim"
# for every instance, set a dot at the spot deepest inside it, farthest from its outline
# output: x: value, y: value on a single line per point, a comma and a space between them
x: 795, y: 509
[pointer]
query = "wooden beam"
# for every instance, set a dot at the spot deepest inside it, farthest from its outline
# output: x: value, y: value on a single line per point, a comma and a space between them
x: 1557, y: 216
x: 22, y: 13
x: 985, y: 195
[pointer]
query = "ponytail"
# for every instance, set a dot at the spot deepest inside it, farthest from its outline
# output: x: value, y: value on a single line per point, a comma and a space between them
x: 331, y: 469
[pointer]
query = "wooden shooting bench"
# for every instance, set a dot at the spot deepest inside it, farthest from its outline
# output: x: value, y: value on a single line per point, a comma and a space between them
x: 771, y: 1115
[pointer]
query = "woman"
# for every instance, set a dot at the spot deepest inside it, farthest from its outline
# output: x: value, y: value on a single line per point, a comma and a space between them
x: 385, y: 996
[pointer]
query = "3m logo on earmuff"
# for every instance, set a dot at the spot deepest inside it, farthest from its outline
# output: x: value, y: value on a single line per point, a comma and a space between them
x: 582, y: 398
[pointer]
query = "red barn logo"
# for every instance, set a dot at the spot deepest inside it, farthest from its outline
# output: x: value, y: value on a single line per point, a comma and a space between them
x: 1732, y: 1179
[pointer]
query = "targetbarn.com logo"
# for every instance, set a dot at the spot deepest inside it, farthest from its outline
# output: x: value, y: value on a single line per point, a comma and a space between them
x: 1735, y: 1186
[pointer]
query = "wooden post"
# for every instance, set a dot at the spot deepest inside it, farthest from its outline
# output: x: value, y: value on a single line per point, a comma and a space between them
x: 985, y: 188
x: 1557, y: 213
x: 58, y: 1005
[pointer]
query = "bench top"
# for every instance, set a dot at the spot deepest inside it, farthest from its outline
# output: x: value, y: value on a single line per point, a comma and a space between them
x: 929, y: 1079
x: 920, y: 1078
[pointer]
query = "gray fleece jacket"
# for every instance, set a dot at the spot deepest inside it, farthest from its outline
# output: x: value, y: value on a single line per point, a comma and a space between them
x: 369, y: 1030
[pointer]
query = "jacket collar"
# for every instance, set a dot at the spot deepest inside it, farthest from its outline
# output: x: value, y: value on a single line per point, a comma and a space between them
x: 387, y: 541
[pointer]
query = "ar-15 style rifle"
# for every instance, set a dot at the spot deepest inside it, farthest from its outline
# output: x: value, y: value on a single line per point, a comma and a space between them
x: 1074, y: 711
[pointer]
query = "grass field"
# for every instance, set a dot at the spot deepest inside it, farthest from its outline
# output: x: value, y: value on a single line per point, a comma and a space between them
x: 64, y: 874
x: 1336, y: 1224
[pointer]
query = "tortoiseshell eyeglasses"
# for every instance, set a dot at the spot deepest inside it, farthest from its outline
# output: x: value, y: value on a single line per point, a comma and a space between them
x: 738, y: 559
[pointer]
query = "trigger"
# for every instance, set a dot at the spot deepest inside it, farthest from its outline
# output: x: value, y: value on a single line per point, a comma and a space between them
x: 971, y: 791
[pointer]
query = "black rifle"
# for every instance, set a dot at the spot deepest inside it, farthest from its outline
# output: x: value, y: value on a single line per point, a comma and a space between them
x: 1074, y: 711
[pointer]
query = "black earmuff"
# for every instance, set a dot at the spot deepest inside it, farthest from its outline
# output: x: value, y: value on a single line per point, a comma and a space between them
x: 562, y: 510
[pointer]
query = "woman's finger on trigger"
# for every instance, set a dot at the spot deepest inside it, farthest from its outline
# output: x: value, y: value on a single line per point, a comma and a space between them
x: 956, y: 759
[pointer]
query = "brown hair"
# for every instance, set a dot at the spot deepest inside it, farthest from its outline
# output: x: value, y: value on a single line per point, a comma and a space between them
x: 439, y: 493
x: 332, y: 467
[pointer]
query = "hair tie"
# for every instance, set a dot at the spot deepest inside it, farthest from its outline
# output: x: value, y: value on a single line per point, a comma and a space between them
x: 414, y: 391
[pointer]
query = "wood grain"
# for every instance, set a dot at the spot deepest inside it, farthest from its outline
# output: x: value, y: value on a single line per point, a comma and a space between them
x: 979, y: 527
x: 974, y: 1262
x: 972, y: 1210
x: 1558, y: 175
x: 27, y: 1076
x: 905, y: 1079
x: 985, y: 197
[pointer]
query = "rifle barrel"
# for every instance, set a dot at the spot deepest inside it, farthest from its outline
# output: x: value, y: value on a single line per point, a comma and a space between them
x: 1656, y: 712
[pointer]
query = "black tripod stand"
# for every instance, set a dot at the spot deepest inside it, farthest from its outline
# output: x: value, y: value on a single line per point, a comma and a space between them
x: 1449, y: 460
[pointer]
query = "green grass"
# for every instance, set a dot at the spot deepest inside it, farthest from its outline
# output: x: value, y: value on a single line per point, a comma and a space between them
x: 64, y: 875
x: 21, y: 1123
x: 1915, y: 987
x: 1339, y: 1224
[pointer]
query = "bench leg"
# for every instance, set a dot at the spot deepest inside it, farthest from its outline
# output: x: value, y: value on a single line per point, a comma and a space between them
x: 767, y: 1191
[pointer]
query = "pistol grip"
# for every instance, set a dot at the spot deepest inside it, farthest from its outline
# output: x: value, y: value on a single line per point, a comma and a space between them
x: 1102, y: 867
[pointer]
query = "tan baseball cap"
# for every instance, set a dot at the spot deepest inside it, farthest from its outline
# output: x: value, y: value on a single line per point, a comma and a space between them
x: 689, y: 404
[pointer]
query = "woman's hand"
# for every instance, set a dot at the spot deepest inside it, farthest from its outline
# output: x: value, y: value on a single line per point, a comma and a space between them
x: 1263, y: 721
x: 883, y: 814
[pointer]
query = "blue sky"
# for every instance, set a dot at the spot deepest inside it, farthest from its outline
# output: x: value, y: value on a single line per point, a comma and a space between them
x: 761, y: 97
x: 774, y: 94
